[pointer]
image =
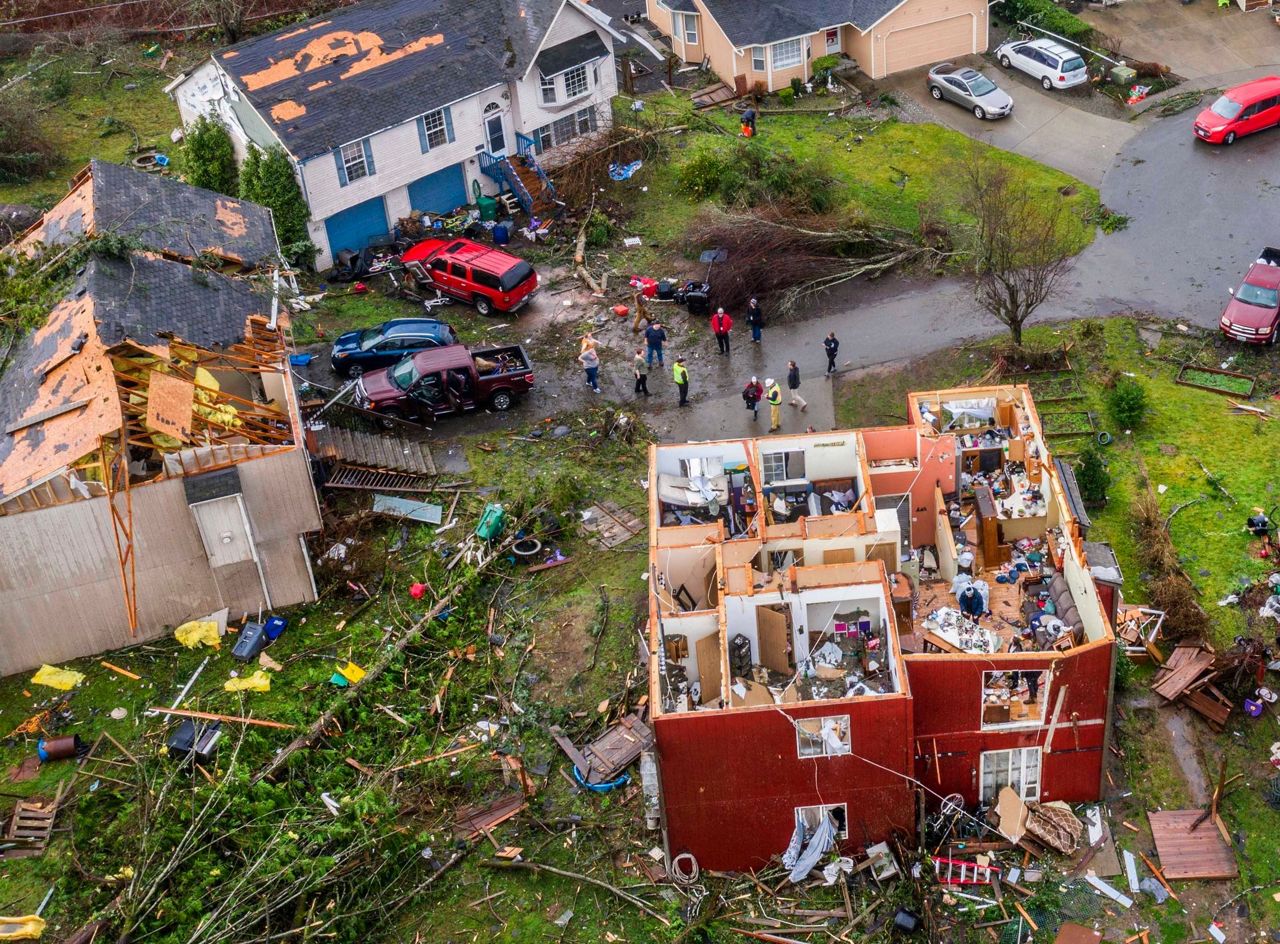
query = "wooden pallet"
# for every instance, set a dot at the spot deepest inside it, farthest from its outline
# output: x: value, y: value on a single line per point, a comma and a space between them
x: 1210, y: 704
x: 353, y: 477
x: 30, y: 828
x: 611, y: 525
x: 611, y: 753
x: 1191, y: 853
x: 1182, y: 671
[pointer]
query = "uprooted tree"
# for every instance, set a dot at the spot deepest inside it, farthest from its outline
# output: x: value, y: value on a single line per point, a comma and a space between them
x: 1018, y: 244
x: 26, y: 152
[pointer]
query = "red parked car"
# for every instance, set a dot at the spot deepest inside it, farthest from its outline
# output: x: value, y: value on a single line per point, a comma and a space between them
x: 488, y: 278
x: 1253, y: 314
x: 1241, y: 110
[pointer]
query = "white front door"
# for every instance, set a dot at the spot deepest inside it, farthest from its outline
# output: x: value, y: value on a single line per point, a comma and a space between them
x: 495, y: 135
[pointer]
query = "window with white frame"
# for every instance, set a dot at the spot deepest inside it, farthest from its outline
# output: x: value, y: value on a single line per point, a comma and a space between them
x: 548, y: 85
x: 690, y: 33
x: 565, y: 129
x: 823, y: 737
x: 787, y: 53
x: 811, y: 818
x: 575, y: 82
x: 585, y: 119
x: 757, y: 58
x: 1018, y: 768
x: 353, y: 163
x: 436, y: 129
x: 782, y: 466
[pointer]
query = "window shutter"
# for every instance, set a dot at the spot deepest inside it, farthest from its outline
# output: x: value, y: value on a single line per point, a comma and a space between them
x: 368, y: 157
x: 422, y: 134
x: 342, y: 170
x: 448, y: 123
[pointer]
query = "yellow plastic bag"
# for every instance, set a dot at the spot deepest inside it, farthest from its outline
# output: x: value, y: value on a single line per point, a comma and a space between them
x: 352, y: 672
x: 62, y: 679
x: 26, y: 928
x: 259, y: 681
x: 198, y: 633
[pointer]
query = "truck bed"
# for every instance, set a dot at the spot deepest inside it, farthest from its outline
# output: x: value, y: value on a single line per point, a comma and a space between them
x: 503, y: 360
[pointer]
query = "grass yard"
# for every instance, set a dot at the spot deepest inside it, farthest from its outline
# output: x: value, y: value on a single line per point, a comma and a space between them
x: 85, y: 106
x: 890, y: 172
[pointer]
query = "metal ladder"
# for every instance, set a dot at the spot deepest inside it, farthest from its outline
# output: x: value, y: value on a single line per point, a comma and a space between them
x: 961, y: 872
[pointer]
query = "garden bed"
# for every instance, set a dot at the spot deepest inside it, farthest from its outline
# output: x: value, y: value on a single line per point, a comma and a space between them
x: 1069, y: 423
x: 1055, y: 387
x: 1227, y: 382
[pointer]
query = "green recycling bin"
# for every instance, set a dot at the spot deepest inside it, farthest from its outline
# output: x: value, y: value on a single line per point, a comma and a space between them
x: 492, y: 522
x: 488, y: 208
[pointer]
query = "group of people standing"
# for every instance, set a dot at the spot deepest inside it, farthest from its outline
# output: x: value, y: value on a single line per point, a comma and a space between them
x: 655, y: 339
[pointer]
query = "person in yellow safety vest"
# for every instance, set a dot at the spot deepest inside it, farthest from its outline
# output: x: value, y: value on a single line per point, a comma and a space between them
x: 773, y: 396
x: 681, y: 376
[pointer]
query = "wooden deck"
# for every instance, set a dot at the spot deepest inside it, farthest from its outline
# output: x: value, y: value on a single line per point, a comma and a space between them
x: 1185, y: 853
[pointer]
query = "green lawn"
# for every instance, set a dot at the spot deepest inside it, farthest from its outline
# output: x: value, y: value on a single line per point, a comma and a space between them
x: 889, y: 171
x: 94, y: 115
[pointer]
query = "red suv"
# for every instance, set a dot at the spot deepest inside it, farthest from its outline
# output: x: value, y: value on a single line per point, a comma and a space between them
x: 488, y: 278
x: 1241, y: 110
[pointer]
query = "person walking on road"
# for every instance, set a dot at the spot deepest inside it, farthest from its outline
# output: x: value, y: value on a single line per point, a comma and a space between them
x: 641, y: 371
x: 773, y: 395
x: 654, y: 337
x: 793, y: 384
x: 752, y: 394
x: 720, y: 325
x: 681, y: 376
x: 755, y: 318
x: 832, y: 345
x: 590, y: 362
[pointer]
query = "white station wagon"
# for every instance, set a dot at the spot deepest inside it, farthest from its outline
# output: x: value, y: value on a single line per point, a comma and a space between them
x: 1052, y: 63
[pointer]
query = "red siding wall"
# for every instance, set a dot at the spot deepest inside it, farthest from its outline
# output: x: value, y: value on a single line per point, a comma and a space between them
x: 947, y: 712
x: 731, y: 780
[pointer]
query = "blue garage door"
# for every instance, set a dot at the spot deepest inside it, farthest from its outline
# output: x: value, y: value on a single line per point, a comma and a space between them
x: 352, y: 228
x: 441, y: 192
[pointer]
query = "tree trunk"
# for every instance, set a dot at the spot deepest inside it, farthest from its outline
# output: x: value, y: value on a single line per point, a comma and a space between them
x: 1015, y: 329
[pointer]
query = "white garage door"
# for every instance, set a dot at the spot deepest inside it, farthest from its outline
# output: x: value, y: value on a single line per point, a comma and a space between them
x: 929, y: 43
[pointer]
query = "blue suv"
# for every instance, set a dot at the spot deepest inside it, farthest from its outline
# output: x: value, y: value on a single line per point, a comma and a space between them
x: 388, y: 343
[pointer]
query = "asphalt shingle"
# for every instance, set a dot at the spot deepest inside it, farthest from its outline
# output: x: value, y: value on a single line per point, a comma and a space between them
x: 759, y: 22
x: 573, y: 52
x: 364, y: 68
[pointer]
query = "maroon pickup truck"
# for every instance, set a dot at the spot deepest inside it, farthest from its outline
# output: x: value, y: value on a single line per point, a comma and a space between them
x: 445, y: 380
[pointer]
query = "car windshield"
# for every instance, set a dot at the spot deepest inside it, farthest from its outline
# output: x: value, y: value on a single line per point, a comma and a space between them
x: 1257, y: 295
x: 515, y: 275
x: 404, y: 374
x: 981, y: 85
x: 369, y: 337
x: 1074, y: 64
x: 1226, y: 108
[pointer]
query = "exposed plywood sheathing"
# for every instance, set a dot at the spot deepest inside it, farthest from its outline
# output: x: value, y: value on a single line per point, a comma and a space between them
x: 287, y: 111
x: 363, y: 48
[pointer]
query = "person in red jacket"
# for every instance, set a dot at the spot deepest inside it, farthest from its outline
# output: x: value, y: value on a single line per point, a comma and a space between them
x: 720, y: 325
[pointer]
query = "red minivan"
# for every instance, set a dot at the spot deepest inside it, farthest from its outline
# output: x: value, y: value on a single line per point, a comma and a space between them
x: 1241, y: 110
x: 488, y: 278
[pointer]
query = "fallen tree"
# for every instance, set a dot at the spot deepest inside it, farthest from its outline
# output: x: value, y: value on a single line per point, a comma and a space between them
x: 788, y: 258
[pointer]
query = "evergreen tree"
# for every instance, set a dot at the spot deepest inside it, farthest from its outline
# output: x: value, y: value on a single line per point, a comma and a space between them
x: 208, y: 158
x: 267, y: 178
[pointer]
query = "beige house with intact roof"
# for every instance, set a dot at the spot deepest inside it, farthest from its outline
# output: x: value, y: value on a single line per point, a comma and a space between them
x: 755, y: 41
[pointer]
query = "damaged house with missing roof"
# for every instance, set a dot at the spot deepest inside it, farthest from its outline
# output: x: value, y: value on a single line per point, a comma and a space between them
x: 846, y: 625
x: 392, y: 107
x: 151, y: 459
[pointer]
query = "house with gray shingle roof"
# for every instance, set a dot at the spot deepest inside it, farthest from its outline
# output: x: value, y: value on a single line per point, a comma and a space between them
x: 393, y: 107
x: 751, y: 43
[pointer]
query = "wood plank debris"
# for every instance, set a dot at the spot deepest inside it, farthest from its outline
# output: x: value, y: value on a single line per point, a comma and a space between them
x: 476, y: 820
x: 610, y: 525
x: 1119, y: 897
x: 1071, y: 933
x: 209, y: 716
x: 30, y: 827
x: 1190, y: 854
x: 403, y: 508
x: 1131, y: 871
x: 1187, y: 676
x: 611, y: 753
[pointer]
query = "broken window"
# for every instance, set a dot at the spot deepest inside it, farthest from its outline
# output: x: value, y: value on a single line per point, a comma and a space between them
x: 353, y: 161
x: 586, y: 119
x: 575, y: 82
x: 1012, y: 699
x: 1018, y: 768
x: 823, y: 737
x: 811, y: 816
x: 548, y: 85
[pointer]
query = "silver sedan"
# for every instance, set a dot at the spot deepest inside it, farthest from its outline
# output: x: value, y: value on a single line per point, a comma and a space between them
x: 970, y: 88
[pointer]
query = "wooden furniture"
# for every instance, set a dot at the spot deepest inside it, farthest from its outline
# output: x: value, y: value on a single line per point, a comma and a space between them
x: 993, y: 552
x: 900, y: 591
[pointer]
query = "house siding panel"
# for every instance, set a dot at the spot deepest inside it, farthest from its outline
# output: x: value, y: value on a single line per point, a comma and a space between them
x: 741, y: 766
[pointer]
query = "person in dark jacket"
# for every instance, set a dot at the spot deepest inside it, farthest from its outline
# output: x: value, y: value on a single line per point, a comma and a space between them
x: 832, y: 345
x: 655, y: 336
x: 641, y: 371
x: 755, y: 318
x: 752, y: 394
x: 793, y: 384
x: 720, y: 325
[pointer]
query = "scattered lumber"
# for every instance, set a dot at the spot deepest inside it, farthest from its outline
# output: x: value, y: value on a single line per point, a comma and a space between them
x: 209, y: 716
